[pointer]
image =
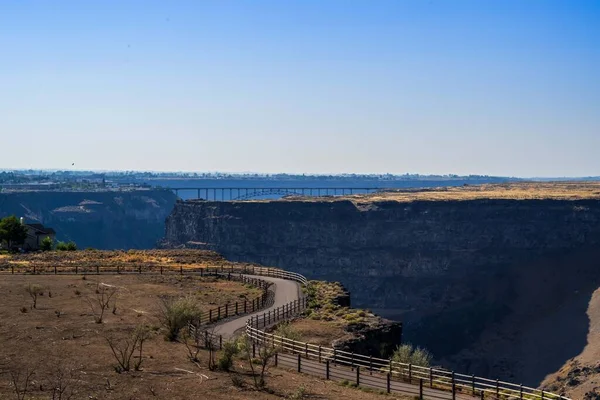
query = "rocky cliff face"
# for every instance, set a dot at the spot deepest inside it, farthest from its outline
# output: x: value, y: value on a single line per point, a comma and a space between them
x: 479, y: 283
x: 103, y: 220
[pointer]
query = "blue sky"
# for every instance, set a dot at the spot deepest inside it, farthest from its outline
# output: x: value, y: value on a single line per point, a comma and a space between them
x: 483, y: 87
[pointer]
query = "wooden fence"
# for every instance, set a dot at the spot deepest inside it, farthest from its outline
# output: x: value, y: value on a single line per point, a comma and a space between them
x: 357, y: 369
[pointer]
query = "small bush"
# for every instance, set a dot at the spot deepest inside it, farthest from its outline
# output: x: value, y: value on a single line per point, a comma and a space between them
x: 237, y: 381
x: 286, y: 330
x: 24, y: 310
x: 62, y: 246
x: 408, y: 354
x: 300, y: 393
x: 34, y: 290
x: 77, y: 292
x: 177, y: 314
x: 230, y: 350
x: 46, y: 244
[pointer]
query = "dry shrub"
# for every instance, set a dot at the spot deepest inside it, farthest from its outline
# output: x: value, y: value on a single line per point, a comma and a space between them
x: 176, y: 314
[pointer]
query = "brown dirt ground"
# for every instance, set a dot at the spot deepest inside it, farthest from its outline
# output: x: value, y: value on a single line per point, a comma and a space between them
x: 39, y: 338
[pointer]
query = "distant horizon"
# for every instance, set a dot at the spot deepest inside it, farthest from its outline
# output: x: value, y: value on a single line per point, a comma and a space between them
x: 250, y: 173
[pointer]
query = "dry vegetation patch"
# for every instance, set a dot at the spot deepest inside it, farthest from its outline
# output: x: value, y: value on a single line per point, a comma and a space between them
x: 509, y: 191
x: 131, y: 261
x: 327, y: 318
x: 59, y: 344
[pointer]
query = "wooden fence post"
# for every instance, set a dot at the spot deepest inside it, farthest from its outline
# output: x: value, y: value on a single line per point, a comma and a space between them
x: 521, y: 392
x: 34, y: 269
x: 299, y: 363
x: 327, y: 369
x: 334, y: 356
x: 498, y: 390
x: 97, y: 270
x: 245, y: 306
x: 210, y: 315
x: 236, y: 308
x: 140, y: 269
x: 220, y: 342
x: 421, y: 389
x: 473, y: 384
x: 306, y: 349
x: 275, y: 359
x: 370, y: 365
x: 319, y: 353
x: 358, y: 375
x: 181, y: 269
x: 453, y: 387
x: 55, y: 270
x: 389, y: 382
x: 161, y: 269
x: 431, y: 377
x: 226, y: 310
x: 410, y: 373
x: 253, y: 350
x: 76, y: 268
x: 12, y: 269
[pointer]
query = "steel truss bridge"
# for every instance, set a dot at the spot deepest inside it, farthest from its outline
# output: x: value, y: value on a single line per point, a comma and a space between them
x: 238, y: 194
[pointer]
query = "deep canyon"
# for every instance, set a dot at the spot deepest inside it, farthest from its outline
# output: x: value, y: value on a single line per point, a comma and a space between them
x: 492, y: 287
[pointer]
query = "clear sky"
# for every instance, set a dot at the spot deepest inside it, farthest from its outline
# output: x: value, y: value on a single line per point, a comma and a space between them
x: 508, y: 87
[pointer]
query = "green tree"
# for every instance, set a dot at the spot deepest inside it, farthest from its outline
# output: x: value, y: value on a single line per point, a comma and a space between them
x: 12, y: 231
x: 46, y: 244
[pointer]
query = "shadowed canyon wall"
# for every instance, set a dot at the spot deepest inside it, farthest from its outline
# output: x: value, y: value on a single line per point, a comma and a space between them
x: 496, y: 288
x: 100, y: 219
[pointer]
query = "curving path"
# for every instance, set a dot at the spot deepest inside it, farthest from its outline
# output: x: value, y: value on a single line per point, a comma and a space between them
x: 285, y: 290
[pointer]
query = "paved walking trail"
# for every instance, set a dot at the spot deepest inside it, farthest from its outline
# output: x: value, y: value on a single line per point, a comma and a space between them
x: 285, y: 291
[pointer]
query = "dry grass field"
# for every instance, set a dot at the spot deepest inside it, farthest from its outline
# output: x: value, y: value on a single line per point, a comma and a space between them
x: 60, y: 343
x: 132, y: 260
x: 509, y: 191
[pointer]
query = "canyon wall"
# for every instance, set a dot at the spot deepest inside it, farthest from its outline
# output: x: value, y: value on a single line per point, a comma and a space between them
x: 496, y: 288
x: 101, y: 219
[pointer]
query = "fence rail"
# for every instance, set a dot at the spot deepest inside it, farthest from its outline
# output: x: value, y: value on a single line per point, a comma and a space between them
x: 383, y: 374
